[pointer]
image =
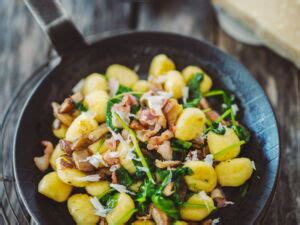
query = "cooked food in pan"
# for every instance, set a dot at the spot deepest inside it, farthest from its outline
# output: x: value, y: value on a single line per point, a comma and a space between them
x: 155, y: 151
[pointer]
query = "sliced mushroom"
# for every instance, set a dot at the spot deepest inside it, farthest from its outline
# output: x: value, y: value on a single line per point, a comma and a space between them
x: 66, y: 146
x: 77, y: 97
x: 62, y: 117
x: 159, y: 217
x: 166, y: 164
x: 81, y: 143
x: 42, y: 162
x: 81, y: 162
x: 99, y: 132
x: 168, y: 190
x: 67, y: 106
x: 104, y: 173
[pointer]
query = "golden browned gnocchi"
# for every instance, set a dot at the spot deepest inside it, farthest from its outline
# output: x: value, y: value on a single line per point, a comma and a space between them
x: 145, y: 152
x: 82, y: 210
x: 190, y: 124
x: 94, y: 82
x: 52, y: 187
x: 234, y: 172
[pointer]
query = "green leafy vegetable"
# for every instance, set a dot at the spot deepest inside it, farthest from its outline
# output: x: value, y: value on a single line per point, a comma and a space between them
x: 123, y: 89
x: 217, y: 128
x: 228, y: 99
x: 194, y: 91
x: 241, y: 132
x: 179, y: 145
x: 136, y: 146
x: 227, y: 149
x: 123, y: 177
x: 110, y: 199
x: 80, y: 107
x: 165, y: 205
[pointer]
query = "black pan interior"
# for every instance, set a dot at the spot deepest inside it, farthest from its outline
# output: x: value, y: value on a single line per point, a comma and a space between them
x: 137, y: 49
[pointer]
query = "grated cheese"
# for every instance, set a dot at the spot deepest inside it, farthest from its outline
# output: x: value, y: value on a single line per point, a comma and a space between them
x: 228, y: 203
x: 215, y: 221
x: 113, y: 168
x: 116, y: 137
x: 156, y: 101
x: 90, y: 178
x: 99, y: 208
x: 209, y: 159
x: 121, y: 188
x: 113, y: 85
x: 96, y: 160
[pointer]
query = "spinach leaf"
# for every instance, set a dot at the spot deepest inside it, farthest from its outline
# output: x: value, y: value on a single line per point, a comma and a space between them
x: 217, y: 128
x: 109, y: 116
x: 110, y: 199
x: 123, y: 177
x: 80, y: 107
x: 194, y: 91
x: 241, y: 132
x: 143, y: 197
x: 179, y: 145
x: 165, y: 205
x: 228, y: 99
x: 123, y: 89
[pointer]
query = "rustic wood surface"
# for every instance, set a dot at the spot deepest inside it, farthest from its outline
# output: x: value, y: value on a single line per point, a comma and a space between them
x: 23, y: 48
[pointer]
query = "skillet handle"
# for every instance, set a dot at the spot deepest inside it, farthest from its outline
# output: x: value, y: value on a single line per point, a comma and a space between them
x: 55, y: 21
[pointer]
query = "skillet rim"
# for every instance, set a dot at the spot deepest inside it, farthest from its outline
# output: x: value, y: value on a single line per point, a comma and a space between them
x: 96, y: 38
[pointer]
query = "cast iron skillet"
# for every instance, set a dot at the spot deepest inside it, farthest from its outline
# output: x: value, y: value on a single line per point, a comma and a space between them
x: 79, y: 59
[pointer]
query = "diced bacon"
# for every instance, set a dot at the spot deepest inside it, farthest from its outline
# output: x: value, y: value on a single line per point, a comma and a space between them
x: 145, y: 134
x: 155, y: 141
x: 111, y: 143
x: 111, y: 157
x: 166, y: 164
x: 172, y: 111
x: 165, y: 150
x: 148, y: 117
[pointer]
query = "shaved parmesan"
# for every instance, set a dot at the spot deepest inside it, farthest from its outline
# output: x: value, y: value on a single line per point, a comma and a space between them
x: 113, y: 85
x: 89, y: 178
x: 113, y: 168
x: 96, y: 160
x: 203, y: 195
x: 228, y: 203
x: 215, y: 221
x: 99, y: 208
x: 185, y: 94
x: 156, y: 101
x: 78, y: 87
x: 121, y: 188
x: 142, y: 169
x: 193, y: 156
x: 131, y: 156
x: 253, y: 165
x: 234, y: 108
x: 116, y: 137
x: 113, y: 154
x: 209, y: 159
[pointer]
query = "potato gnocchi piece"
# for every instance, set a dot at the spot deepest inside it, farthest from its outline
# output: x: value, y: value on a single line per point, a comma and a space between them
x: 70, y: 176
x: 82, y: 125
x: 96, y: 103
x: 125, y: 157
x: 217, y: 143
x: 122, y: 212
x: 204, y: 177
x: 98, y: 146
x: 122, y: 74
x: 197, y: 207
x: 178, y: 222
x: 94, y: 82
x: 189, y: 71
x: 160, y: 65
x: 234, y: 172
x: 58, y: 152
x: 190, y: 124
x: 82, y: 210
x: 98, y: 189
x: 174, y: 84
x: 141, y: 86
x: 143, y: 222
x: 52, y: 187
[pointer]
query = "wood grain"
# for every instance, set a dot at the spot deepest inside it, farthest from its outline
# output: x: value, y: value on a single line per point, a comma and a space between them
x: 23, y: 48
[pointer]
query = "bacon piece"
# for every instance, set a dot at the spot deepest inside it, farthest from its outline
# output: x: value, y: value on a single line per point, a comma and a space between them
x: 111, y: 143
x: 155, y: 141
x: 114, y: 178
x: 42, y: 162
x: 155, y: 84
x: 135, y: 125
x: 172, y: 111
x: 145, y: 134
x: 148, y: 117
x: 166, y: 164
x: 165, y: 150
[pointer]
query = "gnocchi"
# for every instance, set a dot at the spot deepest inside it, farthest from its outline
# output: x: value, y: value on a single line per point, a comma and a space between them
x: 122, y: 74
x: 190, y: 124
x: 141, y: 86
x: 58, y: 152
x: 94, y: 82
x: 96, y: 103
x: 82, y: 210
x: 125, y: 150
x: 174, y: 84
x: 52, y: 187
x: 203, y: 178
x: 98, y: 189
x: 160, y: 65
x: 234, y: 172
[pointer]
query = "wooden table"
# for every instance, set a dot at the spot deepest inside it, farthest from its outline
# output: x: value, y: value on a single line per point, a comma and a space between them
x: 23, y: 48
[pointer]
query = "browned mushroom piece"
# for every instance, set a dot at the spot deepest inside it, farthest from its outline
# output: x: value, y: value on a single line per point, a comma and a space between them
x: 166, y: 164
x: 81, y: 162
x: 42, y: 162
x: 114, y: 178
x: 62, y: 117
x: 219, y: 197
x: 67, y: 106
x: 104, y: 173
x: 66, y: 162
x: 98, y: 133
x: 81, y: 143
x: 182, y: 190
x: 168, y: 190
x: 102, y: 221
x: 159, y: 217
x: 66, y: 146
x: 77, y: 97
